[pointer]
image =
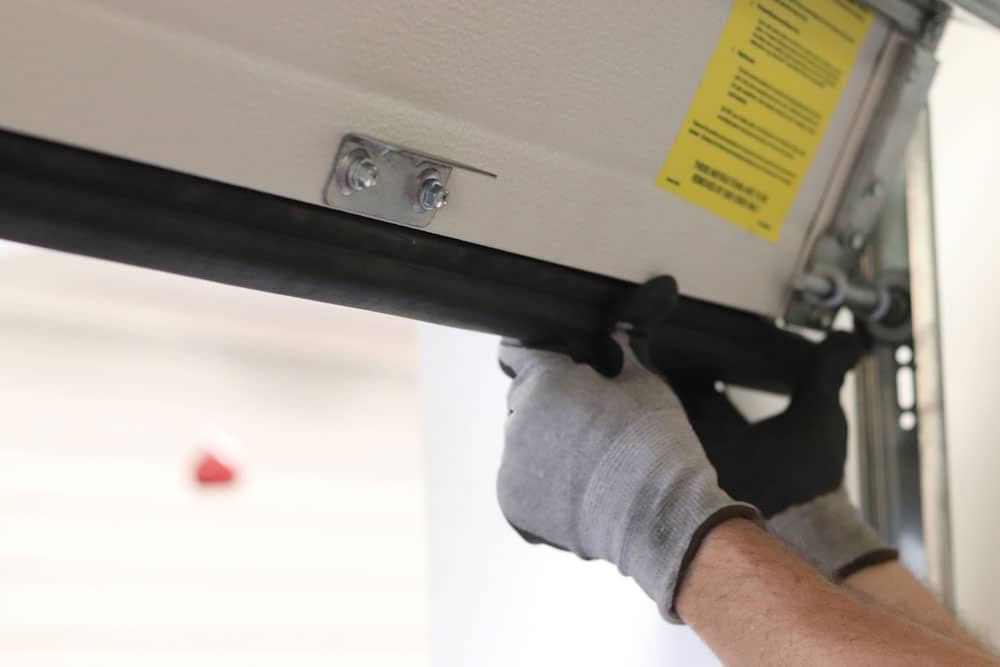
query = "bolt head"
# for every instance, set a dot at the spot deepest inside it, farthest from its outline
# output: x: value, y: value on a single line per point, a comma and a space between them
x: 432, y: 195
x: 362, y: 174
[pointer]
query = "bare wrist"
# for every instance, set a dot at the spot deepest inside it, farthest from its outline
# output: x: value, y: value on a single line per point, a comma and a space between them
x: 711, y: 564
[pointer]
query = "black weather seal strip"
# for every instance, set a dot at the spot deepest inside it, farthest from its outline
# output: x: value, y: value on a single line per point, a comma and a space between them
x: 83, y: 202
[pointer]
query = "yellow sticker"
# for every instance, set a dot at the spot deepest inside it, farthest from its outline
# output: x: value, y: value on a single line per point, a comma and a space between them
x: 762, y: 108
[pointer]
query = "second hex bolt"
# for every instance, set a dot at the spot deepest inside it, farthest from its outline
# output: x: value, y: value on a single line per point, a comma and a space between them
x: 431, y: 193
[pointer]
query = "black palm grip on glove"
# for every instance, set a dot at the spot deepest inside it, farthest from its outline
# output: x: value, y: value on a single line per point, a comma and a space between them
x: 785, y: 460
x: 645, y: 307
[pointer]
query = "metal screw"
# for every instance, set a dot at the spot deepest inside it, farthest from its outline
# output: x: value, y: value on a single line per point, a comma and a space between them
x: 361, y: 174
x: 432, y: 193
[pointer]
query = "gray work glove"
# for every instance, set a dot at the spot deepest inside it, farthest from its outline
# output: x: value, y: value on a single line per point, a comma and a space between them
x: 791, y: 466
x: 607, y: 468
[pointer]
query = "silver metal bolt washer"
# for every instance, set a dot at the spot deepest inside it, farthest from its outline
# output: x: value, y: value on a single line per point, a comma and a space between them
x: 432, y: 193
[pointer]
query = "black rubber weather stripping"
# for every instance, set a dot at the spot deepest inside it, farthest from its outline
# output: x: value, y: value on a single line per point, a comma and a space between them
x: 79, y: 201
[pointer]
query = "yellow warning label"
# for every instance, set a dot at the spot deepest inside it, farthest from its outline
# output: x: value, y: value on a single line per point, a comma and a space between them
x: 761, y: 110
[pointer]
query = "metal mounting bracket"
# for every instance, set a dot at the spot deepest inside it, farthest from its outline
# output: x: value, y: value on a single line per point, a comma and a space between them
x: 379, y: 180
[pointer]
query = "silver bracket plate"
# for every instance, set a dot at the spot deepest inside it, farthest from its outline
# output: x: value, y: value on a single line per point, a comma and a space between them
x: 387, y: 182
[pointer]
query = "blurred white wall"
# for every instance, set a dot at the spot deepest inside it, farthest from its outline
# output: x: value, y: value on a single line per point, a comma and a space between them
x: 110, y: 379
x: 965, y: 116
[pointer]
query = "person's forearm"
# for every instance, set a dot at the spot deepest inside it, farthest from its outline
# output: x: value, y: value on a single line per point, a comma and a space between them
x: 892, y: 586
x: 754, y: 603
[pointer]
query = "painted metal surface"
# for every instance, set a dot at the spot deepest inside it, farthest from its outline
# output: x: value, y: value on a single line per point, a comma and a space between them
x: 574, y: 106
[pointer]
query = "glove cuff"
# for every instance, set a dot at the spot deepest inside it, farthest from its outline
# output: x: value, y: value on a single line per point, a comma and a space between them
x: 658, y: 558
x: 830, y: 533
x: 648, y: 512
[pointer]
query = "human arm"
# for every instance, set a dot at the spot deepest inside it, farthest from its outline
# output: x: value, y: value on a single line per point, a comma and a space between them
x: 892, y: 586
x: 755, y: 603
x: 609, y: 468
x: 791, y: 466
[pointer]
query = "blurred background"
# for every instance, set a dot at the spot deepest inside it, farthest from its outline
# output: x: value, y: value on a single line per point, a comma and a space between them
x: 116, y: 384
x: 198, y: 474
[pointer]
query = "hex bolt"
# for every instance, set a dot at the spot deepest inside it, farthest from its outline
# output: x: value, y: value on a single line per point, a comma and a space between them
x: 432, y: 194
x: 361, y: 173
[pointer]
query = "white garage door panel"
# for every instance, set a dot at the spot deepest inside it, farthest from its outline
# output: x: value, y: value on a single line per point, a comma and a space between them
x: 573, y: 105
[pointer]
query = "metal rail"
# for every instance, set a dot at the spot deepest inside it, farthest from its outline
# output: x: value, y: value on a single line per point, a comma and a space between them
x: 902, y: 462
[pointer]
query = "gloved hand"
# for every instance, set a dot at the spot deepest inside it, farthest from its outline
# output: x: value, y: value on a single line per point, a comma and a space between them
x: 791, y: 466
x: 607, y: 468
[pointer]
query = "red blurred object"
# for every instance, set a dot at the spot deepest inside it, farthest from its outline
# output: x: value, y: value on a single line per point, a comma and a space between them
x: 210, y: 470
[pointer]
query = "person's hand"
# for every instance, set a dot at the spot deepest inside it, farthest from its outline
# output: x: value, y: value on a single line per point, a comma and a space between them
x: 791, y: 466
x: 607, y: 468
